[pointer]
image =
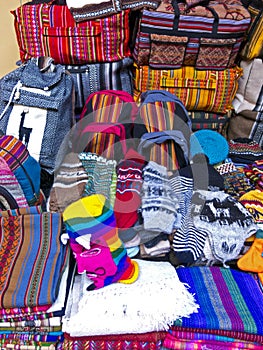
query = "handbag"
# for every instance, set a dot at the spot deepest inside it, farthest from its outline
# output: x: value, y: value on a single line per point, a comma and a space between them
x: 252, y: 46
x: 48, y: 29
x: 199, y: 90
x: 203, y: 34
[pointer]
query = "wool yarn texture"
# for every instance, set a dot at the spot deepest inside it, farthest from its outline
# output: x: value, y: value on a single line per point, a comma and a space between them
x: 159, y: 204
x: 69, y: 183
x: 98, y: 250
x: 227, y: 222
x: 101, y: 175
x: 128, y: 189
x: 211, y: 143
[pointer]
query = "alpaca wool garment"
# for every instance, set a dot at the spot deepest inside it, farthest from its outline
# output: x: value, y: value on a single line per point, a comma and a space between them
x: 227, y: 222
x: 101, y: 175
x: 188, y: 240
x: 158, y: 202
x: 69, y: 183
x: 128, y: 189
x: 211, y: 143
x: 244, y: 151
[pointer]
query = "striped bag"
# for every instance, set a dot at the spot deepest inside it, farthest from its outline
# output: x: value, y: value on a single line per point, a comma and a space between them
x: 47, y: 29
x: 199, y: 90
x: 203, y: 34
x: 168, y: 126
x: 252, y: 47
x: 106, y: 124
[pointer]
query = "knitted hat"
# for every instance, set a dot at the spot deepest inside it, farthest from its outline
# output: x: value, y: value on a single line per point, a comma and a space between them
x: 253, y: 201
x: 69, y: 183
x: 227, y: 222
x: 128, y: 191
x: 25, y: 168
x: 254, y: 172
x: 11, y: 192
x: 211, y: 143
x: 244, y: 150
x: 91, y: 227
x: 204, y: 174
x: 158, y: 202
x: 101, y: 175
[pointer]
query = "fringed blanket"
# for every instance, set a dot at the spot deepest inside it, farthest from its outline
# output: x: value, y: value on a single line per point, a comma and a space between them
x: 152, y: 303
x: 229, y: 300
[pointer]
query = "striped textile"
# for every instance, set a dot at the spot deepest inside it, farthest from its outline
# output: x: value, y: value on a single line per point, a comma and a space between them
x: 162, y: 115
x: 144, y: 341
x: 31, y: 259
x: 167, y: 40
x: 213, y: 121
x: 178, y: 340
x: 229, y: 300
x: 199, y: 90
x: 50, y: 30
x: 253, y: 45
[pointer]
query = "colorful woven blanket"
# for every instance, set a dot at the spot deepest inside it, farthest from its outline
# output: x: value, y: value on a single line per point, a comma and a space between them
x: 229, y: 300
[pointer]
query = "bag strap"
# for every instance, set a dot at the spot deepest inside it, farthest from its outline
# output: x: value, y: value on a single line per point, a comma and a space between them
x: 203, y: 3
x: 116, y: 129
x: 12, y: 203
x: 159, y: 137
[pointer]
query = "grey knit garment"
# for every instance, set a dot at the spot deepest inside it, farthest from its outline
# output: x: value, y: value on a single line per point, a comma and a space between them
x: 227, y: 222
x: 159, y: 204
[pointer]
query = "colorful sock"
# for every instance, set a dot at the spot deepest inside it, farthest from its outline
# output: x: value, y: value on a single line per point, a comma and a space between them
x: 69, y: 183
x: 10, y: 183
x: 158, y: 202
x: 100, y: 174
x: 128, y: 191
x: 252, y: 260
x: 91, y: 221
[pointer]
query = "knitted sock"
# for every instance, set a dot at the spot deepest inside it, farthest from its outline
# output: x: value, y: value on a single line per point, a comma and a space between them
x: 252, y: 260
x: 158, y: 201
x: 69, y: 183
x: 128, y: 191
x: 91, y: 221
x: 100, y: 173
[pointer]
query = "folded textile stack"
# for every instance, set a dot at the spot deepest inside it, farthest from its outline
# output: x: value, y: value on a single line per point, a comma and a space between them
x: 35, y: 273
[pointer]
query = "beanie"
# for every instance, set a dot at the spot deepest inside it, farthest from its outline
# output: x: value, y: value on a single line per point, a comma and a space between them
x: 211, y: 143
